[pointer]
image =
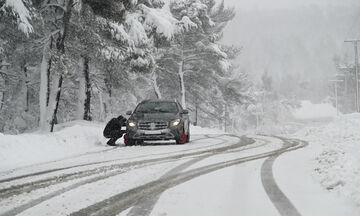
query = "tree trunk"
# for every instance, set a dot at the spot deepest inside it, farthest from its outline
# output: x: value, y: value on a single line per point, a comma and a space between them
x: 48, y: 73
x: 60, y: 43
x: 196, y: 115
x: 102, y: 107
x: 60, y: 46
x: 182, y: 84
x: 81, y: 94
x: 48, y: 82
x: 4, y: 93
x: 108, y: 83
x: 226, y: 117
x: 87, y: 103
x: 1, y: 100
x: 58, y: 93
x: 27, y: 93
x: 43, y: 95
x: 155, y: 85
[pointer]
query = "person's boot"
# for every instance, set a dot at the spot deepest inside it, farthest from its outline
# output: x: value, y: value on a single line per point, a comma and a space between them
x: 111, y: 142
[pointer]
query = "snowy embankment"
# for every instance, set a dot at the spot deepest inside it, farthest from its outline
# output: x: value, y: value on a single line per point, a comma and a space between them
x: 333, y: 154
x: 30, y: 148
x: 337, y: 162
x: 70, y: 139
x: 309, y: 110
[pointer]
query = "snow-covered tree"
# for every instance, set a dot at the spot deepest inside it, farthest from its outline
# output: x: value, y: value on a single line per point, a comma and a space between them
x: 86, y: 59
x: 197, y: 49
x: 20, y: 12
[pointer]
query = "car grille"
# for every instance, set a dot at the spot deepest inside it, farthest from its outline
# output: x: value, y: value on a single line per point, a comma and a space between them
x: 157, y: 125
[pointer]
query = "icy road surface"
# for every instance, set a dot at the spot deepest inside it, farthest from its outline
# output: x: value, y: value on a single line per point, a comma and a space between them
x: 212, y: 175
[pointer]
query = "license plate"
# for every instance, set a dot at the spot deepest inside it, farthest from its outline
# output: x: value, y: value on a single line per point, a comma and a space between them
x: 152, y: 132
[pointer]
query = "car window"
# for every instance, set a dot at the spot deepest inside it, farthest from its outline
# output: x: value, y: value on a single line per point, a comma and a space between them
x: 153, y: 107
x: 181, y: 108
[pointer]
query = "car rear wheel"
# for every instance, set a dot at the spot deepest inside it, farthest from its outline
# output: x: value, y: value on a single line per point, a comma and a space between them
x: 183, y: 137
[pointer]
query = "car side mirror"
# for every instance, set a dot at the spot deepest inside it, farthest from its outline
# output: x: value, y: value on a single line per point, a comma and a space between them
x: 129, y: 112
x: 185, y: 111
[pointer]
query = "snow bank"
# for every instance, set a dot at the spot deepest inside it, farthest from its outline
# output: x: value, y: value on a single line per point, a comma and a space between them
x: 201, y: 130
x: 309, y: 110
x: 72, y: 138
x: 337, y: 166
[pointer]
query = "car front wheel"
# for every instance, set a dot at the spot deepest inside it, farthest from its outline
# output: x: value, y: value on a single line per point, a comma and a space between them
x: 183, y: 137
x: 128, y: 142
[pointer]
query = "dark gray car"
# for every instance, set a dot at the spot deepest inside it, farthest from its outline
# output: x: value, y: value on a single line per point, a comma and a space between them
x: 157, y: 120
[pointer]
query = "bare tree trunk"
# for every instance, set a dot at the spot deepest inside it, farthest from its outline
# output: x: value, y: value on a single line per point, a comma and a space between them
x: 48, y: 81
x: 102, y: 106
x: 58, y: 93
x: 27, y: 93
x: 108, y: 83
x: 2, y: 100
x: 60, y: 43
x: 196, y: 115
x: 48, y: 73
x: 44, y: 89
x: 155, y: 85
x: 87, y: 103
x: 60, y: 46
x: 182, y: 83
x: 4, y: 93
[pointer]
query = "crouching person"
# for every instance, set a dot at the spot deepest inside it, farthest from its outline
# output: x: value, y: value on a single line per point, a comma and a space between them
x: 113, y: 129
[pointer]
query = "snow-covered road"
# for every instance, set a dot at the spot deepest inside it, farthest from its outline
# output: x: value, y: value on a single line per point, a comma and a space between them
x: 219, y: 174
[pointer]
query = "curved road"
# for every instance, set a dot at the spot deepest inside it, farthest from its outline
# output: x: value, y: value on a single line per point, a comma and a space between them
x: 145, y: 173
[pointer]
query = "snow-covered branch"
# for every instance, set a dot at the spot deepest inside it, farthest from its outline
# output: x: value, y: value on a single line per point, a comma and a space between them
x: 22, y: 13
x: 6, y: 73
x: 54, y: 5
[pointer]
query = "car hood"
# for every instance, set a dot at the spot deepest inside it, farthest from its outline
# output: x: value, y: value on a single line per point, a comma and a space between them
x: 154, y: 116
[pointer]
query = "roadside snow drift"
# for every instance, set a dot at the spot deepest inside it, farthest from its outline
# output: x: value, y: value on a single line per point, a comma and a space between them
x: 73, y: 138
x: 309, y: 110
x: 337, y: 164
x: 31, y: 148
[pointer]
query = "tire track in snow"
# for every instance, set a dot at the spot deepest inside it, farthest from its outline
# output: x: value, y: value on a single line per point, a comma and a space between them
x: 48, y: 162
x: 277, y: 197
x: 95, y: 163
x: 30, y: 186
x: 39, y: 200
x: 120, y: 202
x: 145, y: 205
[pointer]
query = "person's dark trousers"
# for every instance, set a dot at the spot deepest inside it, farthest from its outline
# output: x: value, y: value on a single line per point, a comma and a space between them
x: 113, y: 130
x: 115, y: 135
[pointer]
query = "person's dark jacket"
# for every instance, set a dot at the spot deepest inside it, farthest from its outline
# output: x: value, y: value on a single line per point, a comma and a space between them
x: 113, y: 127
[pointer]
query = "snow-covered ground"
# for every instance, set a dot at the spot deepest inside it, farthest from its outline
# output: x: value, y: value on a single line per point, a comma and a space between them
x: 30, y: 148
x: 309, y: 110
x: 336, y: 162
x: 332, y: 158
x: 321, y: 179
x: 333, y: 155
x: 70, y: 139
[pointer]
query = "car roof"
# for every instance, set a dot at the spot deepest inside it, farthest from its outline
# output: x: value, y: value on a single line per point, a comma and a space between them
x: 157, y: 100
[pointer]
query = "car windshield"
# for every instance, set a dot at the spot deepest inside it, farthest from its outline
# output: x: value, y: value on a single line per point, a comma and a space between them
x: 153, y: 107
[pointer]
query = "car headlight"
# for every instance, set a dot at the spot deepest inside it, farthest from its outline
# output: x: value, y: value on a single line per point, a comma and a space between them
x: 132, y: 124
x: 174, y: 123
